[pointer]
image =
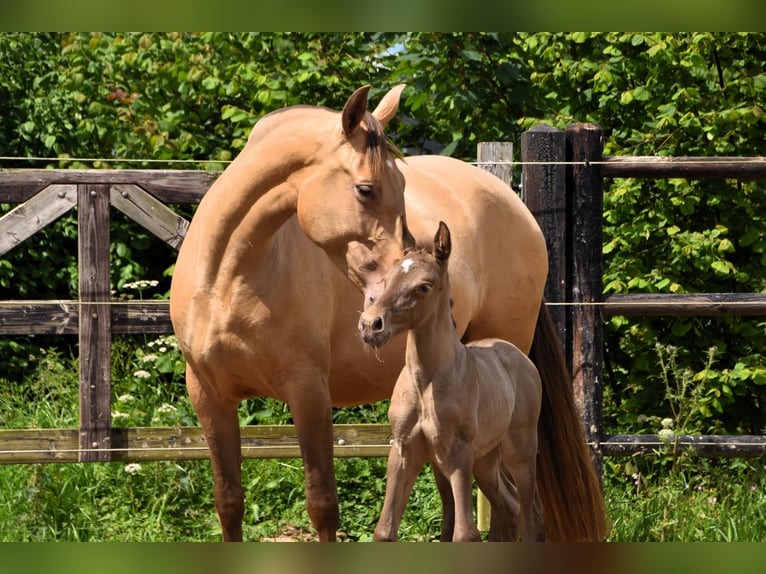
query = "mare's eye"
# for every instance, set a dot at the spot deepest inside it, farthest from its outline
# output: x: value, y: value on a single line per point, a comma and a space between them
x: 364, y: 190
x: 424, y: 288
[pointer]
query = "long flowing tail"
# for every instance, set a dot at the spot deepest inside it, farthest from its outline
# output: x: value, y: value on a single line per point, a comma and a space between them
x: 569, y: 487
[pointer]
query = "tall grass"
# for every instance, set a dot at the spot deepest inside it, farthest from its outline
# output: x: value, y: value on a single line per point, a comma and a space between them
x: 658, y: 497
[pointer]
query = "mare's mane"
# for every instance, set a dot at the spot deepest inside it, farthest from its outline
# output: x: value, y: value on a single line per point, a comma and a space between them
x: 378, y: 144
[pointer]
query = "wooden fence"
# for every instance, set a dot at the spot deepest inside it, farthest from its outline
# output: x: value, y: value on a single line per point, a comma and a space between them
x: 562, y: 184
x: 44, y: 196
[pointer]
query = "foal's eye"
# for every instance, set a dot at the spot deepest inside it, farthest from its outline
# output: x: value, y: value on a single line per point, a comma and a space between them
x: 364, y: 190
x: 424, y: 288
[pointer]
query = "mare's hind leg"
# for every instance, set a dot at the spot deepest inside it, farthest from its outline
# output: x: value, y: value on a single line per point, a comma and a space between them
x: 312, y: 415
x: 501, y: 493
x: 448, y: 505
x: 221, y: 427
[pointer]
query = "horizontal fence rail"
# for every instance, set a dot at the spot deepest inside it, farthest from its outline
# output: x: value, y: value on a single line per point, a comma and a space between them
x: 63, y: 317
x: 153, y: 317
x: 661, y: 167
x: 143, y: 444
x: 167, y: 185
x: 713, y: 446
x: 702, y: 304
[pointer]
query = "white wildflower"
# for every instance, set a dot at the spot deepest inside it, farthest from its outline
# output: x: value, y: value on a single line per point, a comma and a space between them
x: 162, y: 344
x: 166, y: 408
x: 125, y: 398
x: 141, y: 284
x: 666, y: 435
x: 141, y: 374
x: 667, y: 423
x: 119, y: 415
x: 133, y: 468
x: 149, y: 358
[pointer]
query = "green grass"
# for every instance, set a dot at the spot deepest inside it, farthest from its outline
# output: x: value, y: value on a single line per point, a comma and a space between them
x: 689, y: 499
x: 649, y: 498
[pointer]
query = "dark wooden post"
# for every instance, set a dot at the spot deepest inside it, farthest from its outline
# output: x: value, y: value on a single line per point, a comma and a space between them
x: 543, y: 156
x: 586, y: 267
x: 95, y: 323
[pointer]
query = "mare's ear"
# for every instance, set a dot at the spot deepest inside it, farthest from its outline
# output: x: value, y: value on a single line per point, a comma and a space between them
x: 442, y: 243
x: 388, y: 105
x: 354, y: 110
x: 408, y: 241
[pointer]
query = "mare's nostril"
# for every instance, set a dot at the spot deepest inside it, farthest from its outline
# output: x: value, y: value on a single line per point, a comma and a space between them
x: 371, y: 300
x: 377, y: 324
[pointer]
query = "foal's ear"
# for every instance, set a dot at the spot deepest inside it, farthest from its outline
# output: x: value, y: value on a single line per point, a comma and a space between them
x: 388, y: 105
x: 354, y: 110
x: 442, y: 243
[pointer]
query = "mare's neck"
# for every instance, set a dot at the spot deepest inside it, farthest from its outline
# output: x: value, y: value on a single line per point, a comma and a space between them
x: 250, y: 202
x: 433, y: 345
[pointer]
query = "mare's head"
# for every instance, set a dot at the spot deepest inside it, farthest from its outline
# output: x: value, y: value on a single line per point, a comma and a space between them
x: 413, y: 290
x: 351, y: 203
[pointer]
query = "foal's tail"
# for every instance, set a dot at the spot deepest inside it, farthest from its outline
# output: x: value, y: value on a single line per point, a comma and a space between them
x: 569, y: 487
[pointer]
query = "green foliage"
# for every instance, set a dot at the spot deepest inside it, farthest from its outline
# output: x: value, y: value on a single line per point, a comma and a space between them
x: 464, y: 88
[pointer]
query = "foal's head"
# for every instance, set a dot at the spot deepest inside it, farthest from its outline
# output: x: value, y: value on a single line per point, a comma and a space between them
x: 413, y: 289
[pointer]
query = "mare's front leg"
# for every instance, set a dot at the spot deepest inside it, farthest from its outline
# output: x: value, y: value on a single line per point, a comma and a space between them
x: 404, y: 464
x: 220, y: 424
x: 311, y: 409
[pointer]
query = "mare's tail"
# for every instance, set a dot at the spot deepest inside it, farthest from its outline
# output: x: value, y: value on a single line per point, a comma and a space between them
x: 569, y: 487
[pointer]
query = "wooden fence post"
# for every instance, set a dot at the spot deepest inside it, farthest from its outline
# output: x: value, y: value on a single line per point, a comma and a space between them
x: 95, y: 323
x: 496, y: 158
x: 543, y: 153
x: 585, y: 200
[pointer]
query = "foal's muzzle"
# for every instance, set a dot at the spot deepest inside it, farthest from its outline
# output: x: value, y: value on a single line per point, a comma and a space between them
x: 372, y: 328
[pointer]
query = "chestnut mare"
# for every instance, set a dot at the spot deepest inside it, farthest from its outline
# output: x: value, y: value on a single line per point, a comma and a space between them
x: 313, y: 209
x: 470, y: 410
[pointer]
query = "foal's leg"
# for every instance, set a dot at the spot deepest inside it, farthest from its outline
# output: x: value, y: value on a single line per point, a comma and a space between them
x: 404, y: 465
x: 520, y: 458
x: 501, y: 493
x: 458, y: 467
x: 312, y: 415
x: 221, y: 427
x: 448, y: 505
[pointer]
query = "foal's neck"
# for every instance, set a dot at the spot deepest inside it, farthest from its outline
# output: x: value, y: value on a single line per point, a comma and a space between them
x: 433, y: 345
